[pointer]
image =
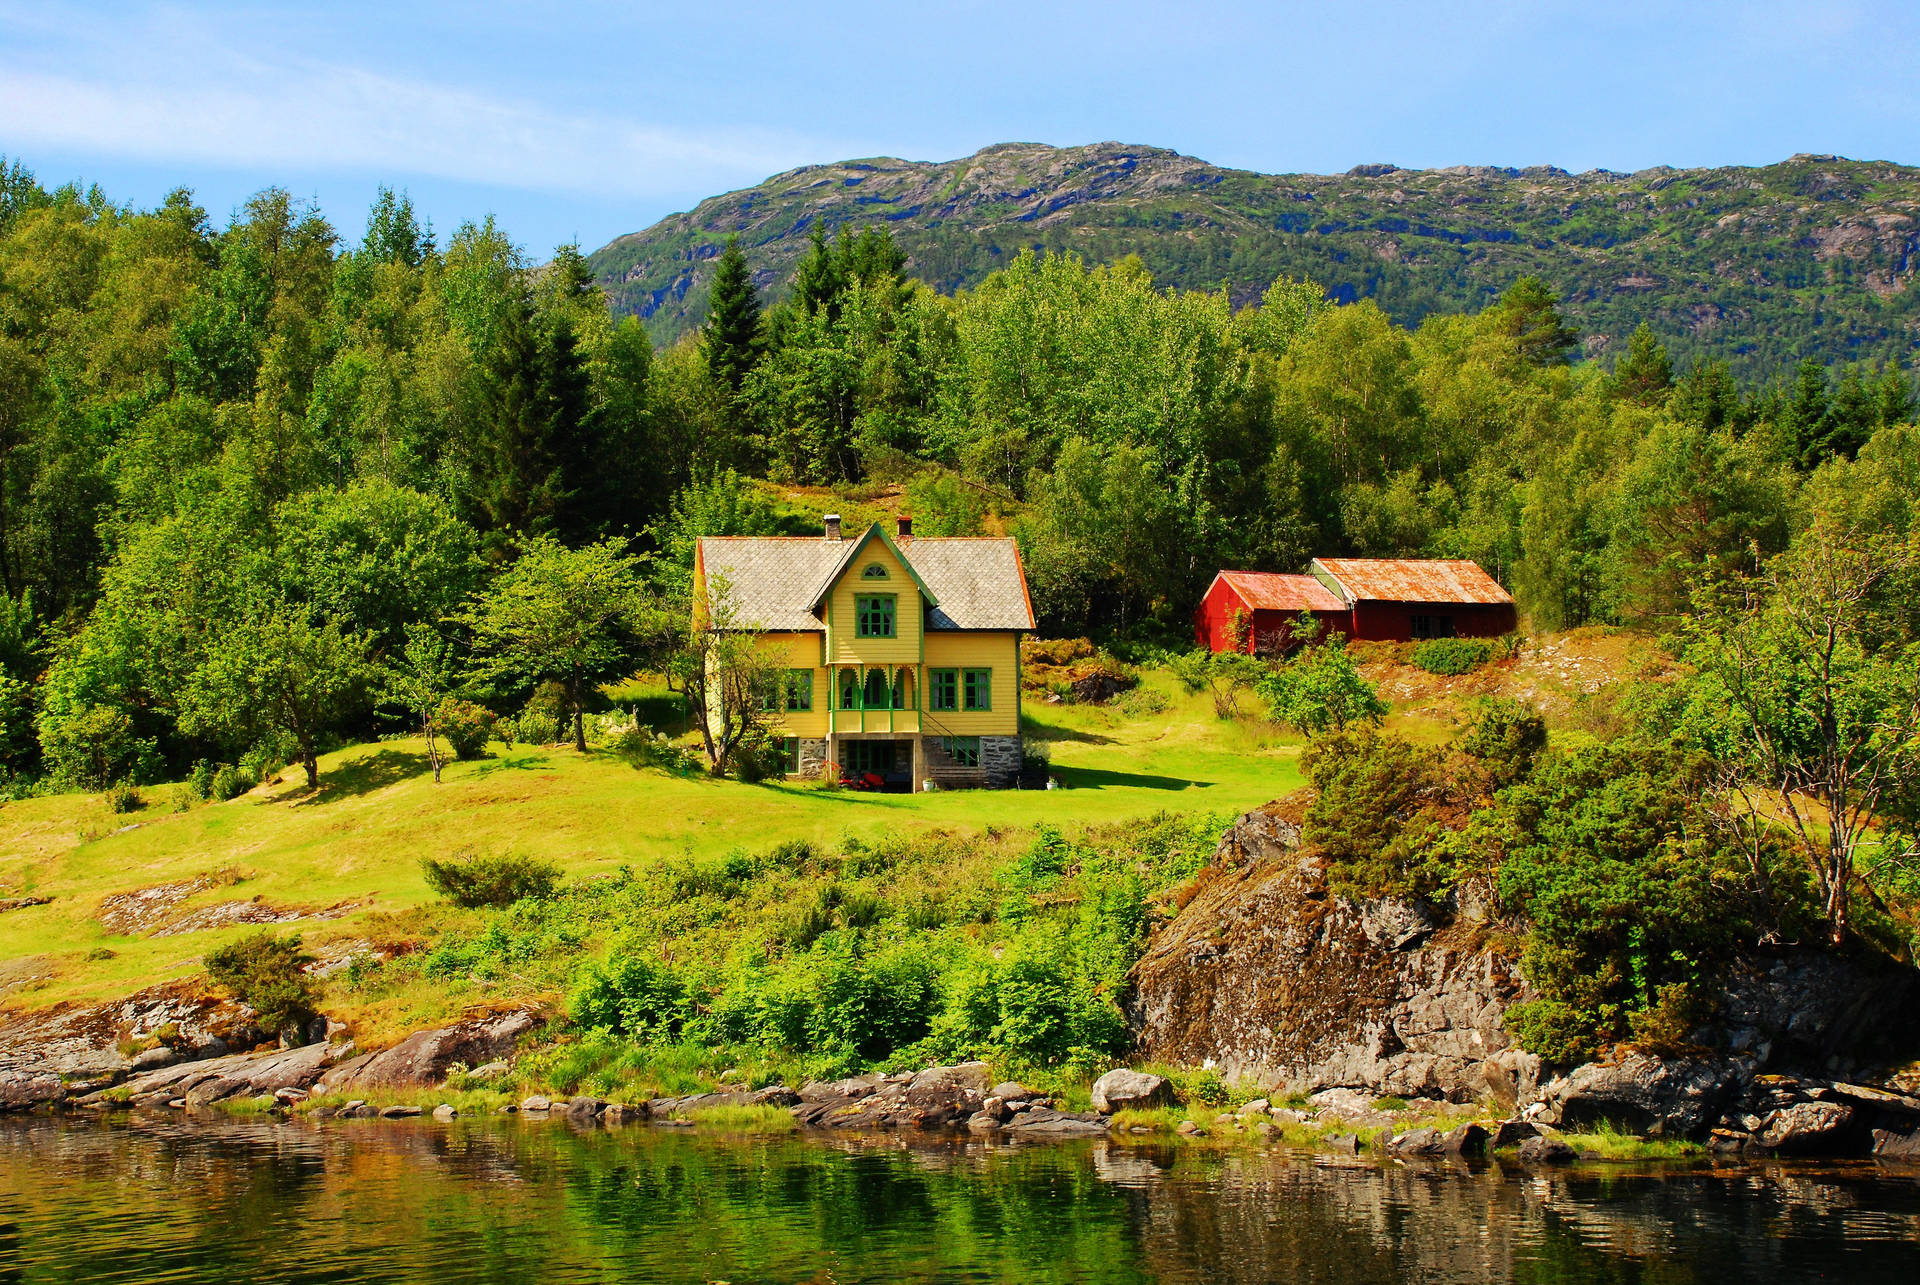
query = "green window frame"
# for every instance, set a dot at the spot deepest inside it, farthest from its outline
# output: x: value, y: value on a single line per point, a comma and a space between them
x: 976, y: 689
x: 790, y: 754
x: 874, y: 615
x: 964, y: 750
x: 799, y: 690
x: 943, y: 689
x: 849, y: 688
x: 874, y: 571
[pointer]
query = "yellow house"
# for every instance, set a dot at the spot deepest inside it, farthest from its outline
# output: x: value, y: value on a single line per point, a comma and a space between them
x: 902, y: 655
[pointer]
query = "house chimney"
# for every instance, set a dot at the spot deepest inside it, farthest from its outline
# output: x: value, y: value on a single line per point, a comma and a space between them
x: 904, y: 527
x: 833, y: 526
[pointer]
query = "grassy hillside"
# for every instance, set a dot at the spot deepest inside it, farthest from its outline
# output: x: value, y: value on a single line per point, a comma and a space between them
x: 1810, y: 257
x: 137, y: 899
x: 350, y: 856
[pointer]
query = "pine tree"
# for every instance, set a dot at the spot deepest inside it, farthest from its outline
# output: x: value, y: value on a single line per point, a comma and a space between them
x: 1708, y: 396
x: 1643, y: 374
x: 1531, y: 315
x: 731, y: 339
x: 820, y: 278
x: 1808, y: 413
x: 1894, y: 395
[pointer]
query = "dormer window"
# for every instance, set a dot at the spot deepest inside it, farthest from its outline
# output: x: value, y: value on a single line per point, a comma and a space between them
x: 874, y: 571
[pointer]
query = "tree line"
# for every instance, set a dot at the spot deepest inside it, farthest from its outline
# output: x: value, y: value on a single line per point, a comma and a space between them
x: 261, y: 486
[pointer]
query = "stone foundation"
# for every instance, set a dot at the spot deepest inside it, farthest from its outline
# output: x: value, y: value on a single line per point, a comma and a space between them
x: 813, y: 757
x: 1000, y: 758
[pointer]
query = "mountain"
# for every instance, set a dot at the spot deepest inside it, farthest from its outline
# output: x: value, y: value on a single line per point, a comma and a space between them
x: 1815, y: 256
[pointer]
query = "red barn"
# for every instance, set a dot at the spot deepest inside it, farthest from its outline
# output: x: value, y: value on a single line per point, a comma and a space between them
x: 1396, y: 599
x: 1253, y: 611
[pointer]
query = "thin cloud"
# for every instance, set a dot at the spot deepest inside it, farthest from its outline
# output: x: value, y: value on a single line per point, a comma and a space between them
x: 238, y: 110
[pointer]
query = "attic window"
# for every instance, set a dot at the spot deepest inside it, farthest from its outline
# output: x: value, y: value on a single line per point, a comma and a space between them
x: 874, y: 571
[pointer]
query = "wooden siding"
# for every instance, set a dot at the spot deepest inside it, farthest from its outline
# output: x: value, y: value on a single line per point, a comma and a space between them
x: 844, y: 645
x: 997, y: 651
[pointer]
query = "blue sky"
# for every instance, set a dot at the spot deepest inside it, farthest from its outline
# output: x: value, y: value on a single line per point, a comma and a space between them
x: 587, y: 120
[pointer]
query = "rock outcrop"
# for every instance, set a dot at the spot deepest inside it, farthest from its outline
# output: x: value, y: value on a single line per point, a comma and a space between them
x: 1268, y: 977
x: 425, y: 1057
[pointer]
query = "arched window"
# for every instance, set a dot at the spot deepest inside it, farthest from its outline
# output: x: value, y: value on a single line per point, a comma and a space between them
x: 874, y: 571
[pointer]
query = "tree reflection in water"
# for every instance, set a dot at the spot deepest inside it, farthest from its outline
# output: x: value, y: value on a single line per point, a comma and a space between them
x: 160, y: 1198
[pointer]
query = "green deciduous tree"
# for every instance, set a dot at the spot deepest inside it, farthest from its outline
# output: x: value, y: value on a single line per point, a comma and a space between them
x: 575, y: 617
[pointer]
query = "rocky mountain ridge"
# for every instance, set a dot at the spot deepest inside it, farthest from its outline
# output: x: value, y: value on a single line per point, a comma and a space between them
x: 1813, y: 256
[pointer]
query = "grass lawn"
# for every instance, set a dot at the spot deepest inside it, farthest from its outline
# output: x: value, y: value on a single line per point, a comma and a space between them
x: 354, y: 848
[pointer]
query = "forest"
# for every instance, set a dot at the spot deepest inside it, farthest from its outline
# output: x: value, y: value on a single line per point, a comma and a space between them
x: 249, y: 473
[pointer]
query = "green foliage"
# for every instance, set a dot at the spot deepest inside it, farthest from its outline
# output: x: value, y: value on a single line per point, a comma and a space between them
x: 1506, y: 737
x: 95, y: 746
x: 467, y: 726
x: 490, y: 879
x: 1320, y: 690
x: 1612, y: 862
x: 267, y: 972
x: 1374, y: 818
x: 124, y: 796
x: 1452, y: 656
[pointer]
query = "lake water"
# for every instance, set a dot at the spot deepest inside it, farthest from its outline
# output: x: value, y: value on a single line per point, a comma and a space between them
x: 158, y: 1199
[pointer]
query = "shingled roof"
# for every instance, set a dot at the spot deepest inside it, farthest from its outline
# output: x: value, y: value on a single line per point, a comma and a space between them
x: 1266, y: 591
x: 776, y: 581
x: 1411, y: 580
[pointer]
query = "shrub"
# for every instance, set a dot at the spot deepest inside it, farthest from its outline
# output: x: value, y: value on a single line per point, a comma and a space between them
x: 95, y: 746
x: 1319, y: 690
x: 1452, y: 656
x: 1506, y: 737
x: 470, y: 880
x: 1373, y: 817
x: 122, y: 796
x: 230, y: 782
x: 1142, y: 702
x: 543, y: 720
x: 644, y: 748
x: 467, y: 726
x: 267, y: 973
x: 630, y: 995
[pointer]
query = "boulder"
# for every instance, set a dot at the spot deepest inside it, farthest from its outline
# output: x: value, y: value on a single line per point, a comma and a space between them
x: 1546, y: 1151
x: 537, y: 1102
x: 1892, y: 1144
x: 1466, y: 1140
x: 1345, y: 1143
x: 983, y: 1122
x: 774, y: 1095
x: 1124, y: 1090
x: 444, y: 1112
x: 217, y: 1089
x: 585, y: 1108
x: 1188, y: 1129
x: 1511, y: 1133
x: 619, y: 1113
x: 153, y: 1059
x: 487, y: 1070
x: 973, y: 1076
x: 1419, y: 1142
x: 1662, y: 1097
x: 1013, y: 1091
x: 1259, y: 1106
x: 1045, y: 1122
x: 1343, y: 1103
x: 24, y: 1090
x: 398, y: 1112
x: 1806, y: 1127
x: 425, y: 1057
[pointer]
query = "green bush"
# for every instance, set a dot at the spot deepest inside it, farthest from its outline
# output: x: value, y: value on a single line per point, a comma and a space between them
x: 1374, y: 818
x: 94, y: 746
x: 545, y: 717
x: 1452, y: 656
x: 230, y: 782
x: 267, y: 973
x: 645, y: 748
x: 467, y: 726
x: 1506, y: 738
x: 469, y: 879
x: 123, y: 796
x: 1320, y: 690
x: 630, y: 995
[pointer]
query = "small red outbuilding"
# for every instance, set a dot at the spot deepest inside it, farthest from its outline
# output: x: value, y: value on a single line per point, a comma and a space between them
x: 1254, y: 611
x: 1397, y: 599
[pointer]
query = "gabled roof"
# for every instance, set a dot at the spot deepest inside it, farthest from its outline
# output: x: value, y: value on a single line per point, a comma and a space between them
x: 1412, y: 580
x: 778, y: 582
x: 834, y: 573
x: 1265, y: 591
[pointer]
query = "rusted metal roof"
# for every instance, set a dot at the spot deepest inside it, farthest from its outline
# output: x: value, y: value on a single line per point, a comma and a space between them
x: 1411, y: 580
x: 1264, y: 591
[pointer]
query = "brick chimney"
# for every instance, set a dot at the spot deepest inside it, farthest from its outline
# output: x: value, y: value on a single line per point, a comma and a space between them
x: 833, y: 526
x: 904, y: 527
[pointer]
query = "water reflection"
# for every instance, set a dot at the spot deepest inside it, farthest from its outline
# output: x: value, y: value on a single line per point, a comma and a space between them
x: 158, y: 1199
